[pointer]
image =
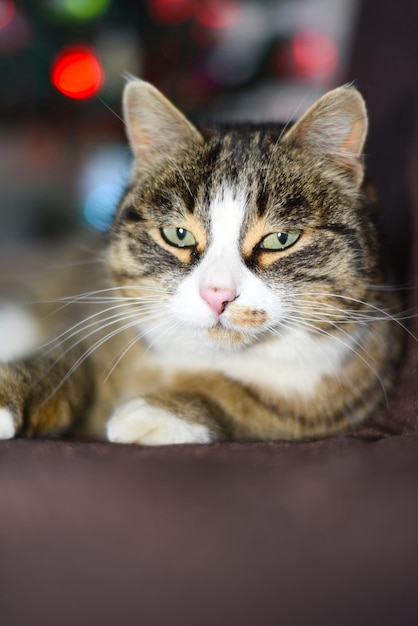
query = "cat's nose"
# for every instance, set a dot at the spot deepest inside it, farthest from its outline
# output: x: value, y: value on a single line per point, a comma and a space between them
x: 217, y: 297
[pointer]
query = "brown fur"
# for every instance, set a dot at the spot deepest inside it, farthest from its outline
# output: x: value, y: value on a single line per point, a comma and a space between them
x: 306, y: 178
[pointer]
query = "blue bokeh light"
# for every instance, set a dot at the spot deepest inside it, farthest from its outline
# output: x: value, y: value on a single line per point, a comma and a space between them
x: 102, y: 182
x: 100, y: 205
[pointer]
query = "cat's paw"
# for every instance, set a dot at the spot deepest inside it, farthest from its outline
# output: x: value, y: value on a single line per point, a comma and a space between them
x: 12, y: 399
x: 7, y: 423
x: 139, y: 422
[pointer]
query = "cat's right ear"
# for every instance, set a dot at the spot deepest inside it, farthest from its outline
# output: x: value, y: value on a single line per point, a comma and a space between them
x: 155, y: 128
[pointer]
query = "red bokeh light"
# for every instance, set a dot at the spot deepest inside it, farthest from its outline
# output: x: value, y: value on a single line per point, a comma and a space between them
x: 209, y: 13
x: 217, y: 13
x: 76, y: 72
x: 171, y: 11
x: 7, y: 11
x: 315, y: 54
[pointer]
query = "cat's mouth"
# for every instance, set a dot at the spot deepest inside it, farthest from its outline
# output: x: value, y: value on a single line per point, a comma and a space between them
x: 226, y: 334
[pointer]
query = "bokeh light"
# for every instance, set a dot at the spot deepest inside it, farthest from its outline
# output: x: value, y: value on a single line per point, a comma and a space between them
x: 77, y: 73
x: 315, y: 54
x: 77, y: 10
x: 7, y: 11
x: 15, y: 29
x: 85, y: 9
x: 102, y: 182
x: 217, y: 13
x: 100, y: 205
x: 171, y: 11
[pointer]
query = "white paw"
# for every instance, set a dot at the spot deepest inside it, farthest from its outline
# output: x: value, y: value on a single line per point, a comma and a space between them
x: 19, y: 332
x: 7, y: 424
x: 140, y: 422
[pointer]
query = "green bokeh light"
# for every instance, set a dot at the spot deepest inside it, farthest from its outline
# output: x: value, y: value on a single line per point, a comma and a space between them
x: 85, y: 9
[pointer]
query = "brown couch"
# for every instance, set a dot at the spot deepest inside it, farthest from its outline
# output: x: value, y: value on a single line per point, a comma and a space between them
x: 241, y: 534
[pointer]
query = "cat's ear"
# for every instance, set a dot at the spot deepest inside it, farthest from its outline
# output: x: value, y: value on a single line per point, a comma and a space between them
x: 155, y: 128
x: 336, y: 125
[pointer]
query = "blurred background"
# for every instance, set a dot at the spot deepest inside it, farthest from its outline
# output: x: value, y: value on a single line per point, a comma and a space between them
x: 63, y: 155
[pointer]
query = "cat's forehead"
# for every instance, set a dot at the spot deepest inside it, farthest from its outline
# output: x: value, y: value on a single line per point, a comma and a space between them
x: 246, y: 171
x: 235, y: 151
x: 252, y: 157
x: 249, y: 174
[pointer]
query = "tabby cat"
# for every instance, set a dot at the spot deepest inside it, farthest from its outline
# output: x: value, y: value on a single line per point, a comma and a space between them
x: 242, y: 297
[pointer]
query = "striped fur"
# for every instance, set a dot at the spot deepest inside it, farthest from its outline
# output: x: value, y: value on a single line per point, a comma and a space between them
x: 226, y: 337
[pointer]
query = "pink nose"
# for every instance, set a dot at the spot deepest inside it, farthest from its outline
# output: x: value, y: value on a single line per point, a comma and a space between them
x: 217, y: 297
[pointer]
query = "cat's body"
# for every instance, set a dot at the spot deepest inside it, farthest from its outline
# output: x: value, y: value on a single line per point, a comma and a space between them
x: 244, y: 298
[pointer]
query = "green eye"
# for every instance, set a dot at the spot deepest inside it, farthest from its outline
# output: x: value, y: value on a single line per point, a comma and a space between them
x: 179, y: 237
x: 279, y: 241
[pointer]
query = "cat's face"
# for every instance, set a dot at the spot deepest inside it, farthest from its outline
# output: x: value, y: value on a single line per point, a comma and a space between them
x: 232, y: 235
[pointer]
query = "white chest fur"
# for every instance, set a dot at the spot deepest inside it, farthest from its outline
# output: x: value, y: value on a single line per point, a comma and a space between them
x: 296, y: 362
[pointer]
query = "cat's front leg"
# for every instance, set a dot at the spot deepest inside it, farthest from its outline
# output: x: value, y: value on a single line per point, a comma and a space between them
x: 38, y: 397
x: 12, y: 400
x: 142, y: 422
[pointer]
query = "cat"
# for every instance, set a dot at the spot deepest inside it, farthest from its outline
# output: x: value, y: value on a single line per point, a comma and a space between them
x: 242, y: 296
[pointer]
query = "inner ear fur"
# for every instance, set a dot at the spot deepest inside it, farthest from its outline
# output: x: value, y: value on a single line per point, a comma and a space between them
x: 154, y: 126
x: 336, y: 126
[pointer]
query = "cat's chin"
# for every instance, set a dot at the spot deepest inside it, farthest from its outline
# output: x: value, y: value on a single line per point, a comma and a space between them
x: 225, y: 338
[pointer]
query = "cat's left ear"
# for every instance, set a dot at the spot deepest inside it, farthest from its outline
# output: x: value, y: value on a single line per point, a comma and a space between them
x: 336, y: 126
x: 155, y: 128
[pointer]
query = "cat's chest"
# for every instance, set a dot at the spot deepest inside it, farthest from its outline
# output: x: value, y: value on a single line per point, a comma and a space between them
x: 296, y: 363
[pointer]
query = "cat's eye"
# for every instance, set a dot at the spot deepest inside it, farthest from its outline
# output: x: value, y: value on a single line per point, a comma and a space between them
x: 179, y: 237
x: 279, y: 241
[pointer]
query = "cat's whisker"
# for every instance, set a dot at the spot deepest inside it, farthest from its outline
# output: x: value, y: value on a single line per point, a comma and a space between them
x: 168, y: 329
x: 83, y: 325
x: 100, y: 327
x: 137, y: 338
x: 392, y: 288
x: 91, y: 296
x: 301, y: 323
x: 346, y: 298
x: 118, y: 358
x: 70, y: 264
x: 375, y: 313
x: 298, y: 350
x: 279, y: 333
x: 109, y: 108
x: 85, y: 356
x: 343, y: 317
x: 95, y: 346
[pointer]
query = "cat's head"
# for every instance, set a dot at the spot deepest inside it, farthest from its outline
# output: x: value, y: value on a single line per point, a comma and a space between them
x: 229, y: 234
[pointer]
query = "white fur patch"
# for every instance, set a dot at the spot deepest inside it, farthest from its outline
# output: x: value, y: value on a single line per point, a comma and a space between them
x: 139, y: 422
x: 7, y: 424
x: 222, y: 267
x: 222, y: 264
x: 19, y: 333
x: 296, y: 362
